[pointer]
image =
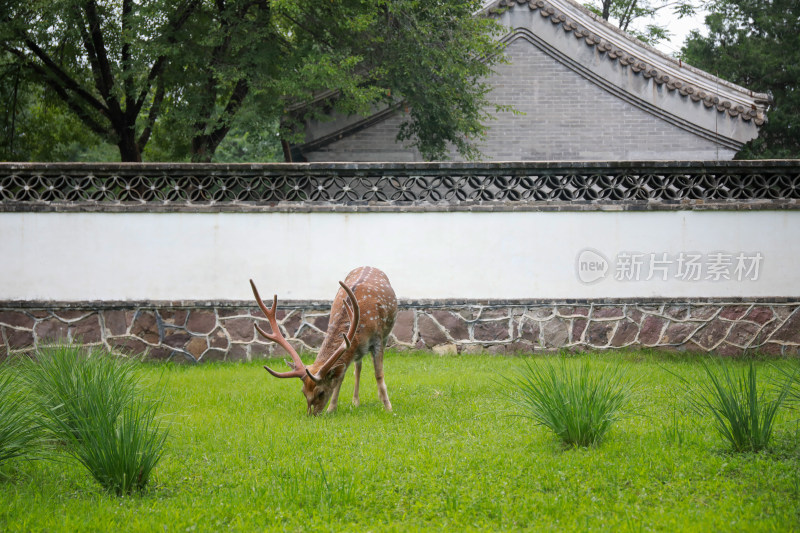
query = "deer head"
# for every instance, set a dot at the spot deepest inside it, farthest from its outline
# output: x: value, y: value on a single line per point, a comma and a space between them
x: 324, y: 375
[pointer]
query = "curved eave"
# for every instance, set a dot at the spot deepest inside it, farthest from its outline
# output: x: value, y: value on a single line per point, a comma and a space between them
x: 617, y: 46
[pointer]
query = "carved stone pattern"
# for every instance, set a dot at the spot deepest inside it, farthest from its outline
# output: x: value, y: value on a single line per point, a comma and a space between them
x: 131, y: 186
x: 227, y: 333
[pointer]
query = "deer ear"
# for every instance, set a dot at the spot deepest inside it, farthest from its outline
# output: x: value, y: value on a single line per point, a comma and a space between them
x: 334, y: 371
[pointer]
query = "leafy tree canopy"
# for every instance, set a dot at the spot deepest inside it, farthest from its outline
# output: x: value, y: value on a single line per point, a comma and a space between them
x: 756, y: 44
x: 171, y: 79
x: 626, y: 14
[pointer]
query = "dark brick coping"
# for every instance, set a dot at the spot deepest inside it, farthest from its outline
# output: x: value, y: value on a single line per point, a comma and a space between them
x: 475, y: 167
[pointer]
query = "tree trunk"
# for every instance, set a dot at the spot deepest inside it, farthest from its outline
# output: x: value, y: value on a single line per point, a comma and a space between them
x: 128, y: 149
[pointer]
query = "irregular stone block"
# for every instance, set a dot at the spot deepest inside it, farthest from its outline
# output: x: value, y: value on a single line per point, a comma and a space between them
x: 455, y: 325
x: 789, y: 331
x: 429, y: 331
x: 445, y: 349
x: 473, y: 349
x: 292, y: 324
x: 176, y: 338
x: 228, y: 312
x: 404, y: 327
x: 491, y: 331
x: 703, y: 312
x: 145, y: 326
x: 311, y: 337
x: 128, y: 346
x: 555, y: 333
x: 241, y: 329
x: 488, y: 313
x: 782, y: 312
x: 202, y: 321
x: 174, y: 317
x: 161, y: 353
x: 18, y: 339
x: 16, y: 319
x: 770, y: 348
x: 51, y: 330
x: 68, y: 315
x: 540, y: 313
x: 627, y: 331
x: 238, y: 352
x: 603, y: 311
x: 521, y: 347
x: 117, y: 321
x: 321, y: 322
x: 528, y: 331
x: 677, y: 312
x: 733, y: 312
x: 728, y: 350
x: 212, y: 354
x: 578, y: 327
x: 634, y: 314
x: 742, y: 334
x: 711, y: 334
x: 87, y: 330
x: 197, y: 346
x: 218, y: 339
x: 572, y: 311
x: 760, y: 314
x: 678, y: 333
x: 650, y: 334
x: 598, y: 334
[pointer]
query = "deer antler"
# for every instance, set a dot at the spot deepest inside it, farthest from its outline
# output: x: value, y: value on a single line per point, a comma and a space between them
x: 277, y: 337
x: 355, y: 314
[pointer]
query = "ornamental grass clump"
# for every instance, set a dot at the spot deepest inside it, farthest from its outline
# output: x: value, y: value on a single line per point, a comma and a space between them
x: 578, y: 403
x: 18, y: 429
x: 94, y: 405
x: 743, y: 413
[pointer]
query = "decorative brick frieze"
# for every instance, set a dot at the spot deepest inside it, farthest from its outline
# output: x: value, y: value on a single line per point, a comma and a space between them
x: 216, y: 331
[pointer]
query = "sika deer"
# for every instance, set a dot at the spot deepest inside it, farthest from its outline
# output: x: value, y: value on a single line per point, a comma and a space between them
x: 362, y: 316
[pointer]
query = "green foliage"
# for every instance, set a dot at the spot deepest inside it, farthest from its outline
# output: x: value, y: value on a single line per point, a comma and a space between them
x: 19, y: 432
x: 580, y: 405
x: 628, y: 15
x: 757, y: 45
x: 181, y: 75
x: 243, y: 456
x: 792, y: 374
x: 743, y: 413
x: 93, y: 404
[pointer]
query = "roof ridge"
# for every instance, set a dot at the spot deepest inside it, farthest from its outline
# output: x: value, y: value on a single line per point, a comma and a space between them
x: 664, y: 76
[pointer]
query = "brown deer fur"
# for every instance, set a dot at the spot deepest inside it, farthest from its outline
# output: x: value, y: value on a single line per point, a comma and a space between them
x: 372, y: 307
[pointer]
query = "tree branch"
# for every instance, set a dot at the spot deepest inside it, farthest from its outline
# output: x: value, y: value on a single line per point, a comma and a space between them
x: 99, y: 45
x: 160, y: 62
x: 56, y: 71
x: 155, y: 109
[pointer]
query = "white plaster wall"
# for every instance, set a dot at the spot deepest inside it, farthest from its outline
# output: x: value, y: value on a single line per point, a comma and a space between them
x: 190, y: 256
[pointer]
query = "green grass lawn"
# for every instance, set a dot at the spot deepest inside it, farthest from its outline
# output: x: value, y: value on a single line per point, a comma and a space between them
x: 242, y: 455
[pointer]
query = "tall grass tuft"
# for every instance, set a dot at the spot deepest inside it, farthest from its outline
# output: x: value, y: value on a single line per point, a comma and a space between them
x: 19, y: 431
x: 579, y: 404
x: 95, y: 405
x: 743, y: 413
x: 792, y: 374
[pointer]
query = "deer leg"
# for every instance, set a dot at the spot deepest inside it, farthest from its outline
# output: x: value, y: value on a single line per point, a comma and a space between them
x: 358, y: 380
x: 335, y: 396
x: 377, y: 361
